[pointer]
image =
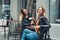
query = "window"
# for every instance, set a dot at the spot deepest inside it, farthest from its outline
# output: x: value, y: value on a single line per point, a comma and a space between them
x: 54, y: 11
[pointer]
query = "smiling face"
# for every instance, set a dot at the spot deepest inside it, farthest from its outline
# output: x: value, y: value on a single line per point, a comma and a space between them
x: 25, y: 11
x: 32, y: 22
x: 40, y: 10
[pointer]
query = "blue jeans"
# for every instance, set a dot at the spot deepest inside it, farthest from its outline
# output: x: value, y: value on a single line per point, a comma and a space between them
x: 29, y: 35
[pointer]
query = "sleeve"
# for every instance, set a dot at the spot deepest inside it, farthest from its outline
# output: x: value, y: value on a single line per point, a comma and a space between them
x: 26, y: 22
x: 44, y: 22
x: 47, y: 22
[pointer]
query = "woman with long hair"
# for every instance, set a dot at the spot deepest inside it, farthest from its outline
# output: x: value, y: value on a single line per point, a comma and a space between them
x: 24, y: 19
x: 42, y: 20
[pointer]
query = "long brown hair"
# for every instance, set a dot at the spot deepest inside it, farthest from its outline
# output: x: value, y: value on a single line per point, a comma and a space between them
x: 22, y: 14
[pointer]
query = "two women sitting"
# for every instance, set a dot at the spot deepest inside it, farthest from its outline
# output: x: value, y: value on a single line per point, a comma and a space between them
x: 32, y: 29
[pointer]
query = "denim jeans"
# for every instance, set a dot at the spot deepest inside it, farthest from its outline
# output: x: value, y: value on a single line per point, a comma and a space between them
x: 29, y: 35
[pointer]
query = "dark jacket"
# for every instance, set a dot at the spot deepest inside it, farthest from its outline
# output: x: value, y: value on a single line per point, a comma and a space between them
x: 43, y: 21
x: 26, y: 21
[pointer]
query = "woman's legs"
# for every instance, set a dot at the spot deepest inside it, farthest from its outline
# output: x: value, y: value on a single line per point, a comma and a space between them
x: 25, y: 32
x: 32, y: 36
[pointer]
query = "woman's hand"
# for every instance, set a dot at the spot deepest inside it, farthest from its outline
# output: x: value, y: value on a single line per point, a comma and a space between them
x: 37, y: 29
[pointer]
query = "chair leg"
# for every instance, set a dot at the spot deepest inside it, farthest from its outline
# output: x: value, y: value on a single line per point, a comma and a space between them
x: 15, y: 36
x: 8, y: 34
x: 45, y: 36
x: 4, y: 32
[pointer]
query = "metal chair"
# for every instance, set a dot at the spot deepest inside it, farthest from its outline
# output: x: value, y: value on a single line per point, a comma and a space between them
x: 46, y: 35
x: 16, y: 29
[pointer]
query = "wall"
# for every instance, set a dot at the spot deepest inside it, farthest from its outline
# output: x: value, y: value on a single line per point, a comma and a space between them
x: 15, y: 7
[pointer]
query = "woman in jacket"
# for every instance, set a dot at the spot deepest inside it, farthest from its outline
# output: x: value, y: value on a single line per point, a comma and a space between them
x: 24, y: 18
x: 42, y: 20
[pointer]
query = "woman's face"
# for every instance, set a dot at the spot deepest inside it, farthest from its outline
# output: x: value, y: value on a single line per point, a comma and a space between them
x: 40, y: 11
x: 25, y: 11
x: 32, y: 22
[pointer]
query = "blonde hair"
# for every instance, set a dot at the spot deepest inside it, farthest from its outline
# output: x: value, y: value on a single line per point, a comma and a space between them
x: 20, y: 17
